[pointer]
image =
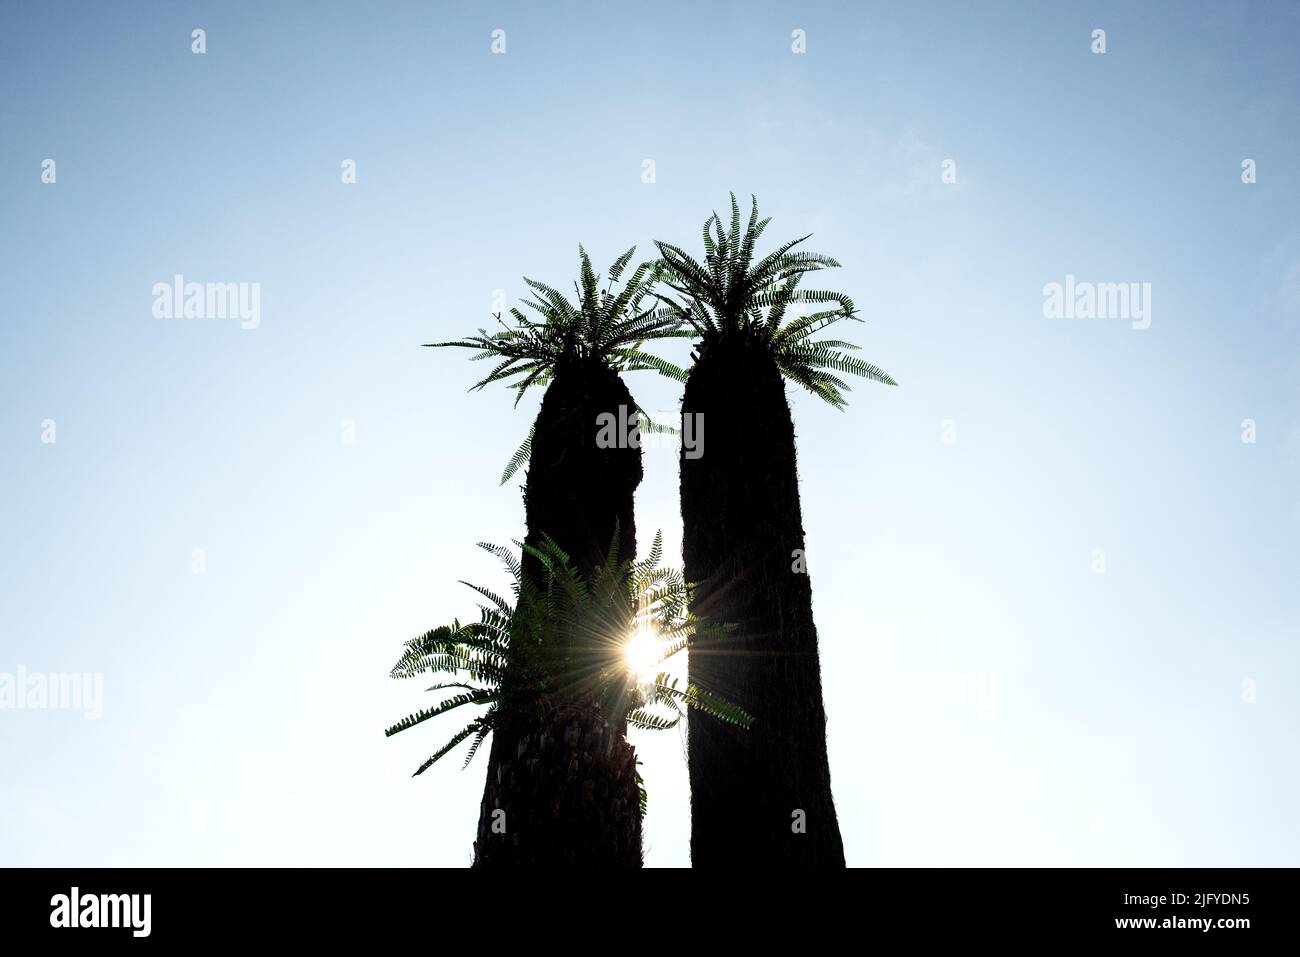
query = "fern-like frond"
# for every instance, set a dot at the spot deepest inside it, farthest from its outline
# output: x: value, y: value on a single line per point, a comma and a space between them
x: 597, y: 324
x: 634, y: 360
x: 507, y: 558
x: 520, y: 457
x: 731, y: 294
x: 644, y: 720
x: 648, y: 425
x: 420, y: 717
x: 568, y: 635
x: 437, y: 755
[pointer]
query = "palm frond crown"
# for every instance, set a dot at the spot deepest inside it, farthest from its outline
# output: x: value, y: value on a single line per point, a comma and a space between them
x: 598, y: 323
x: 733, y: 294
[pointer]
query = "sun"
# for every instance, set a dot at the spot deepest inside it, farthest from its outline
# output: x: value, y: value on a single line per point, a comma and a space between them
x: 641, y: 653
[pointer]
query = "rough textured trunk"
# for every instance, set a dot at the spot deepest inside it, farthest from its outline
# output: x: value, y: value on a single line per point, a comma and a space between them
x: 563, y: 794
x: 578, y: 493
x: 742, y: 535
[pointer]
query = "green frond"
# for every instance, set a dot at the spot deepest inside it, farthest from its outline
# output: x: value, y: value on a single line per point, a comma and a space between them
x: 813, y: 381
x: 649, y: 426
x: 643, y: 720
x: 620, y: 264
x: 520, y: 457
x: 733, y: 236
x: 419, y: 717
x: 565, y: 635
x: 713, y: 705
x: 731, y: 294
x: 656, y: 549
x: 483, y: 731
x: 501, y: 604
x: 444, y: 749
x: 815, y: 355
x: 506, y: 556
x: 600, y: 324
x: 644, y: 360
x: 422, y: 646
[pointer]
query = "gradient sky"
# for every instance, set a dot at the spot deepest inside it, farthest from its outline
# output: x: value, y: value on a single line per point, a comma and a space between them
x: 991, y: 699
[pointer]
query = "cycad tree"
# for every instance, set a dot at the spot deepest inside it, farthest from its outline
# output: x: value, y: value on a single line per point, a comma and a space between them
x: 763, y: 798
x: 560, y: 670
x: 579, y: 489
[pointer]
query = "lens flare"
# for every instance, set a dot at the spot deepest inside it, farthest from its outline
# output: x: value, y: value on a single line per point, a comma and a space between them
x: 641, y: 653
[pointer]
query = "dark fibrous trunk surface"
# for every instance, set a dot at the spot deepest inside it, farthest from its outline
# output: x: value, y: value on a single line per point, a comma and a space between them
x: 563, y: 794
x: 564, y: 780
x: 578, y: 492
x: 742, y: 527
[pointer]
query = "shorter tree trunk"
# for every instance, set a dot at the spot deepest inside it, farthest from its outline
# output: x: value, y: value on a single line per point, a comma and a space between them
x: 564, y: 796
x: 577, y: 492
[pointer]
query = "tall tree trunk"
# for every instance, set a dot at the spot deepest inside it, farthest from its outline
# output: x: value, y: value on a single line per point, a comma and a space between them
x: 760, y: 797
x: 564, y: 794
x: 578, y: 493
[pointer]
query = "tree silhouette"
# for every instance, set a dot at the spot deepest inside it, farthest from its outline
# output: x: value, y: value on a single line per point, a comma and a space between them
x: 579, y: 491
x: 743, y: 541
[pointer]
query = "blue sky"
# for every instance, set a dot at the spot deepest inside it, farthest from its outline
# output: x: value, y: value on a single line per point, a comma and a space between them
x: 243, y: 707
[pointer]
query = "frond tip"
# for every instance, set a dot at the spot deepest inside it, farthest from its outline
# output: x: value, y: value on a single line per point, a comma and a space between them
x: 520, y: 457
